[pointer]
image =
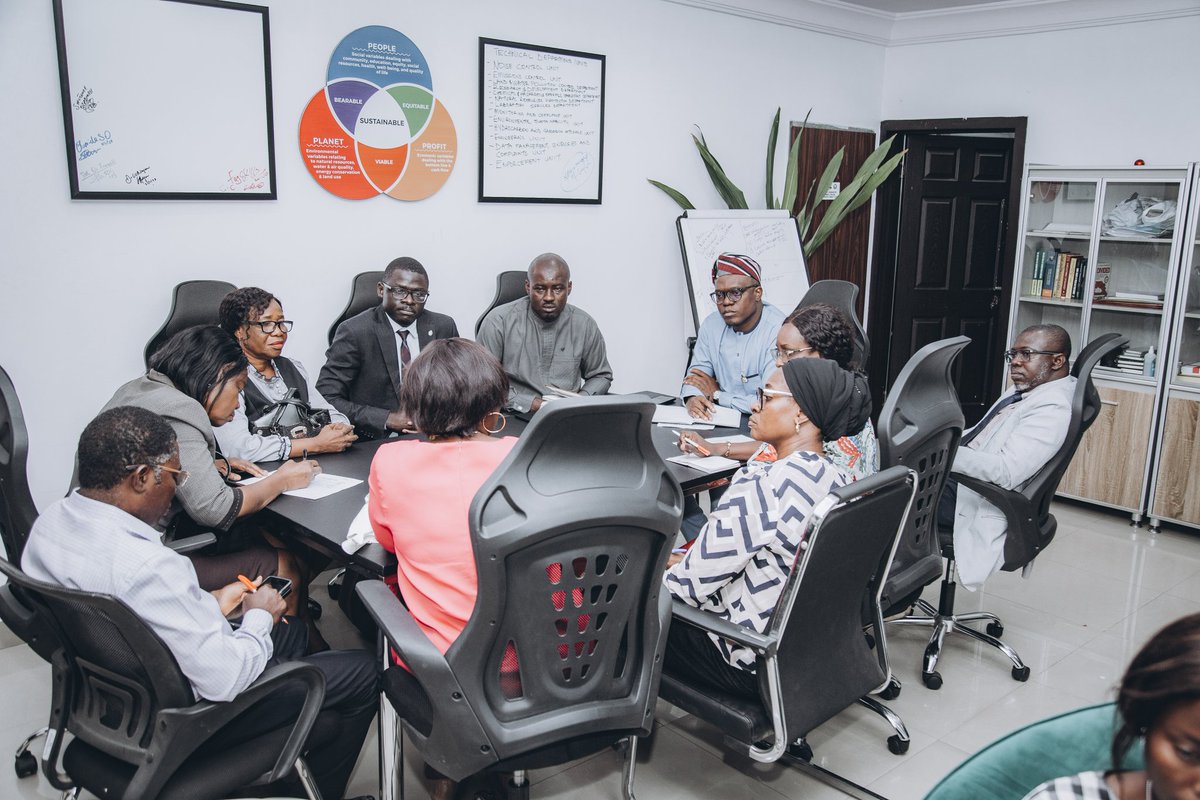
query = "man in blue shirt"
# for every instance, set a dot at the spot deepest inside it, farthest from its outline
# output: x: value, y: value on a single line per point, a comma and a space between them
x: 734, y: 346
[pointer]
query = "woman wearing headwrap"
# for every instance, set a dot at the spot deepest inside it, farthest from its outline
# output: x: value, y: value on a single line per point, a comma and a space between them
x: 737, y: 566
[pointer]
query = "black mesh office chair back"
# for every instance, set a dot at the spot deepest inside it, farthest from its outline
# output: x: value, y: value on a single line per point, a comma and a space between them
x: 919, y: 427
x: 364, y: 294
x: 841, y: 295
x: 510, y: 285
x: 562, y: 653
x: 192, y: 303
x: 17, y: 511
x: 137, y: 730
x: 813, y: 660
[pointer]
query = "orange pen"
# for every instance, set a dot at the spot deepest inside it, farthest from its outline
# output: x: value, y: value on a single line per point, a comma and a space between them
x: 252, y: 587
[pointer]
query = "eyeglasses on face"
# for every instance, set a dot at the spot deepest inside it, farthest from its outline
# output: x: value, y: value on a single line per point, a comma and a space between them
x: 787, y: 353
x: 766, y: 394
x: 181, y: 475
x: 1024, y: 354
x: 400, y: 292
x: 733, y: 294
x: 272, y: 325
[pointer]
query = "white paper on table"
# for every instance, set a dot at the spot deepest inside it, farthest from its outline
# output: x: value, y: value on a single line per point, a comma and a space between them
x: 705, y: 463
x: 360, y: 532
x: 323, y: 484
x: 736, y: 438
x: 678, y: 416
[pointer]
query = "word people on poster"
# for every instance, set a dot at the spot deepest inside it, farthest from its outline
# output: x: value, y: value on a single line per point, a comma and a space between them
x: 377, y: 127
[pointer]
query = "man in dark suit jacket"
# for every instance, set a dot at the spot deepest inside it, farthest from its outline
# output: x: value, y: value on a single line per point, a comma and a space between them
x: 365, y: 363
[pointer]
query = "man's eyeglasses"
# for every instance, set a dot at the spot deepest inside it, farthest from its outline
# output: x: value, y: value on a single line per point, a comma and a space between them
x: 1025, y: 354
x: 787, y: 353
x: 181, y: 475
x: 766, y: 394
x: 734, y: 294
x: 272, y: 325
x: 399, y: 292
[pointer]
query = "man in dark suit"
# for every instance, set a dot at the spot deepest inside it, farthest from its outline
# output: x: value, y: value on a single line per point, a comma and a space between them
x: 365, y: 363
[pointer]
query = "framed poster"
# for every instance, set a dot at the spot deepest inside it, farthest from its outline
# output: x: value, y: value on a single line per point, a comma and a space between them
x: 541, y: 124
x: 166, y: 99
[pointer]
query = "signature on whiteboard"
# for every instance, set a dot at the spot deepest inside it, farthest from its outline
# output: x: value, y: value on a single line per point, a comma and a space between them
x: 577, y: 171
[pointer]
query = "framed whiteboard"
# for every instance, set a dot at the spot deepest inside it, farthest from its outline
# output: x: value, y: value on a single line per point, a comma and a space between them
x: 166, y: 99
x: 541, y: 124
x: 771, y: 238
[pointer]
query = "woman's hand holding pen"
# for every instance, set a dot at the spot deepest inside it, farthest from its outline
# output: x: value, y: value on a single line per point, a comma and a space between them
x: 690, y: 442
x: 298, y: 474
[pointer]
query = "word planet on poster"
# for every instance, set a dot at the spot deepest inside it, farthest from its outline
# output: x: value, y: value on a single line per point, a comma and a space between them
x: 377, y: 128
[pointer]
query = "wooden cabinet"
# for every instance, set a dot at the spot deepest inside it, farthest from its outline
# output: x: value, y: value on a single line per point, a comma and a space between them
x: 1110, y: 465
x: 1177, y: 493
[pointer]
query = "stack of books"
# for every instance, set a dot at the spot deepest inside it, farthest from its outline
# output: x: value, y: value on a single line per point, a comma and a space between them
x: 1132, y: 361
x: 1190, y: 373
x: 1057, y: 275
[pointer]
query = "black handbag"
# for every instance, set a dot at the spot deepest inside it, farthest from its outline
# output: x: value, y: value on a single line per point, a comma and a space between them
x: 291, y: 417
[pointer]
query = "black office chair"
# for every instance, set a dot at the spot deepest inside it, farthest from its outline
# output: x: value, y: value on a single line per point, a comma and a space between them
x: 17, y: 511
x: 136, y: 730
x: 364, y: 294
x: 1031, y: 526
x: 841, y: 295
x: 510, y: 285
x: 919, y: 427
x: 192, y: 303
x: 813, y: 660
x: 562, y: 653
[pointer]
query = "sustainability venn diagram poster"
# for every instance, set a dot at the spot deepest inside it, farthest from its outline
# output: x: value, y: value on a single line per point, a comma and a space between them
x: 377, y: 127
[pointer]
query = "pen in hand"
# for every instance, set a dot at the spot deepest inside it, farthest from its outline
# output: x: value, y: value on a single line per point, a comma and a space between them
x: 685, y: 443
x: 251, y: 588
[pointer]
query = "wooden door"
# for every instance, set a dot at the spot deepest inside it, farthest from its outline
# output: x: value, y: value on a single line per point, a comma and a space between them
x: 843, y: 256
x: 952, y: 263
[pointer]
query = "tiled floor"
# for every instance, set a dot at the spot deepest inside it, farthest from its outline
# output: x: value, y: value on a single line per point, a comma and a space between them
x: 1095, y: 596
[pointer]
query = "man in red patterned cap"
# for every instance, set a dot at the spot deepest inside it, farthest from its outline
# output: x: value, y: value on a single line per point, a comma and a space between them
x: 734, y: 346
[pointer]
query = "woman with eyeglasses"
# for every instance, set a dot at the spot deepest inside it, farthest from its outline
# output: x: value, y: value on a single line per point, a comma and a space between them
x: 816, y: 331
x: 1158, y: 706
x: 738, y: 565
x: 255, y: 318
x: 193, y: 383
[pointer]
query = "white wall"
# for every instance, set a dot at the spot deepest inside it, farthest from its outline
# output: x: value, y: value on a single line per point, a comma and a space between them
x: 1101, y: 95
x: 83, y: 284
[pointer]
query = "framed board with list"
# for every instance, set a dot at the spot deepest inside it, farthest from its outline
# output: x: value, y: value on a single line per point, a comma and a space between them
x: 541, y: 124
x: 166, y: 99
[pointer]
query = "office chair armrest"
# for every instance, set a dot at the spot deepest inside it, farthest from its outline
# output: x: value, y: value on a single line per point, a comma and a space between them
x: 190, y: 543
x: 404, y: 634
x: 1016, y: 507
x: 200, y: 720
x: 763, y: 646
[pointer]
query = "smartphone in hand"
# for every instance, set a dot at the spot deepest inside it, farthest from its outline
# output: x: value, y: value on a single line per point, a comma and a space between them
x: 281, y: 585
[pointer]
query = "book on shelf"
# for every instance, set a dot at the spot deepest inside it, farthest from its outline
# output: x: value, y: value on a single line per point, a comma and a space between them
x: 1103, y: 274
x: 1190, y: 369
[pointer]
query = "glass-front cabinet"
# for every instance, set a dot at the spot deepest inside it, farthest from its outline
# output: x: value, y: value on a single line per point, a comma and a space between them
x: 1100, y: 254
x: 1175, y: 492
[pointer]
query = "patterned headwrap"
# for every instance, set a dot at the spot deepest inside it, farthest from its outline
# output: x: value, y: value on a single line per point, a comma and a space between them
x: 837, y: 401
x: 733, y: 264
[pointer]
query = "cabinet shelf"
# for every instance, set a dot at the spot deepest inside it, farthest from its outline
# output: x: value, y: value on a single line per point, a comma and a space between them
x: 1118, y: 376
x: 1051, y: 301
x: 1081, y: 237
x: 1099, y: 305
x: 1138, y: 239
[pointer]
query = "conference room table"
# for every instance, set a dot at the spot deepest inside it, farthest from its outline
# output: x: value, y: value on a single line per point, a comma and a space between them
x: 322, y: 524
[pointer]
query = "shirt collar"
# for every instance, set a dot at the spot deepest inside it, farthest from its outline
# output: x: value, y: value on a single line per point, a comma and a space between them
x: 397, y: 327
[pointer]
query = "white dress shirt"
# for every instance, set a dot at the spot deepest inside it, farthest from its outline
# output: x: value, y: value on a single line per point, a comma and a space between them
x: 414, y: 342
x: 86, y: 544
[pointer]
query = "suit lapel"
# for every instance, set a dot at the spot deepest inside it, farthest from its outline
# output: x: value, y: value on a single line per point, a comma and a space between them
x: 387, y: 347
x: 424, y: 325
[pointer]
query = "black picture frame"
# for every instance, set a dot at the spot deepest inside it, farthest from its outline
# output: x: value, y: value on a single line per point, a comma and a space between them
x: 142, y: 142
x: 526, y: 158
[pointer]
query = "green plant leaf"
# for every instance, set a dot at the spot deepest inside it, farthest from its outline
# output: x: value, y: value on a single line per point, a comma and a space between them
x: 729, y: 192
x: 792, y: 173
x: 821, y: 187
x: 675, y: 195
x: 873, y: 182
x: 855, y: 193
x: 772, y: 138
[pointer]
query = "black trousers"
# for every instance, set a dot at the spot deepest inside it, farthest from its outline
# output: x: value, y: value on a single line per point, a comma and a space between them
x: 694, y: 658
x: 946, y: 505
x: 351, y: 690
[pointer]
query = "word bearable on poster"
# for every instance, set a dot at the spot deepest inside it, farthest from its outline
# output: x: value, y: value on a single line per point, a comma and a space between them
x: 376, y: 127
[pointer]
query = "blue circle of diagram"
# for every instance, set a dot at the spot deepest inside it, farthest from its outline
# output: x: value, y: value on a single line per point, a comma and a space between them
x: 380, y: 56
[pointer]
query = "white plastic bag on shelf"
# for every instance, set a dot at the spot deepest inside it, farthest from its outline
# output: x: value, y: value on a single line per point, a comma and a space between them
x: 1140, y: 216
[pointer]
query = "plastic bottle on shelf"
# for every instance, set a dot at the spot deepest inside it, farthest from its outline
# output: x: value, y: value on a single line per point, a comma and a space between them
x: 1149, y: 362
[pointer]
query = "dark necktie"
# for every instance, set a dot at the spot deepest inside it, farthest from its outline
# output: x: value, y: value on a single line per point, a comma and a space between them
x: 983, y: 423
x: 405, y: 353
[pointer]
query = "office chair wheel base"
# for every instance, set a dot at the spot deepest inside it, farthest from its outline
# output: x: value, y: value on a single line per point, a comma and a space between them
x: 891, y: 691
x: 897, y: 745
x: 995, y: 629
x: 932, y: 680
x: 314, y: 609
x: 800, y: 750
x: 1020, y: 674
x: 25, y: 764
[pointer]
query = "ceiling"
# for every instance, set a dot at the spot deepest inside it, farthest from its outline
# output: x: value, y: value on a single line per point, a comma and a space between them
x: 908, y: 6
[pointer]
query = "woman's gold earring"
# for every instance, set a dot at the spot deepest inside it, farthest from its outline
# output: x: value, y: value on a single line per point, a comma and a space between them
x: 500, y: 427
x: 797, y: 425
